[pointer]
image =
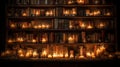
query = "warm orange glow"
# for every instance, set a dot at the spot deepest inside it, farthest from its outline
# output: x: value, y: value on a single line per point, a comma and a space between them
x: 43, y: 26
x: 24, y: 14
x: 35, y: 54
x: 49, y: 56
x: 70, y: 39
x: 66, y: 12
x: 71, y: 53
x: 10, y: 41
x: 80, y: 1
x: 66, y: 55
x: 44, y: 40
x: 21, y: 55
x: 39, y: 26
x: 20, y: 39
x: 82, y: 25
x: 74, y: 11
x: 12, y: 25
x: 47, y: 13
x: 37, y: 13
x: 34, y: 41
x: 89, y: 26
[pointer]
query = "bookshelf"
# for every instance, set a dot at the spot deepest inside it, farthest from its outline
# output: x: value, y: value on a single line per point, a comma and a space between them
x: 77, y: 29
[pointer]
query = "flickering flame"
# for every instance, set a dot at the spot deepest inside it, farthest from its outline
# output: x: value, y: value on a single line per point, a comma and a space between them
x: 49, y: 56
x: 89, y: 26
x: 71, y: 39
x: 35, y: 54
x: 44, y: 40
x: 24, y: 14
x: 34, y: 41
x: 80, y: 1
x: 12, y: 25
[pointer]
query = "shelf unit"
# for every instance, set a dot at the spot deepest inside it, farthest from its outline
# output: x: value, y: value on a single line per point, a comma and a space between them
x: 60, y: 29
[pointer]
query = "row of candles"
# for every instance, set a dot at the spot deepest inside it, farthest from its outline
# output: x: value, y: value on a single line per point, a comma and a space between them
x: 37, y: 2
x: 57, y: 52
x: 61, y: 12
x: 71, y: 24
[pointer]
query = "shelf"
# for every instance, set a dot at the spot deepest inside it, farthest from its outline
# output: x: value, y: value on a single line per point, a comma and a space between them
x: 35, y: 17
x: 58, y: 30
x: 57, y: 5
x: 65, y: 44
x: 64, y: 17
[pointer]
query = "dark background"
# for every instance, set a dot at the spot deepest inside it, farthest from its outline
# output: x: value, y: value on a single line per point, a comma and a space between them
x: 17, y: 63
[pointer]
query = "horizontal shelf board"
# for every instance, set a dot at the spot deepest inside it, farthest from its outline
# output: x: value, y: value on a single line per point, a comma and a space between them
x: 64, y: 17
x: 46, y: 60
x: 65, y: 44
x: 60, y: 5
x: 60, y: 30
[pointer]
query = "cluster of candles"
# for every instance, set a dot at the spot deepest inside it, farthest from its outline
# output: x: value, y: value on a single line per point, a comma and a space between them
x: 77, y: 1
x: 57, y: 52
x: 69, y: 12
x: 33, y: 24
x: 87, y: 24
x: 98, y: 12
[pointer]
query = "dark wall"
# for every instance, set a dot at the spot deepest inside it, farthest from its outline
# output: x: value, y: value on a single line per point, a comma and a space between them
x: 2, y: 24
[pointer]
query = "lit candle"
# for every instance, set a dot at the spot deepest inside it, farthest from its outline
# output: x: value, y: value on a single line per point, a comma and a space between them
x: 47, y: 26
x: 70, y: 1
x: 34, y: 40
x: 88, y: 54
x: 74, y: 12
x: 71, y: 53
x: 70, y: 39
x: 49, y: 56
x: 24, y: 14
x: 66, y: 55
x: 43, y: 26
x: 55, y: 55
x: 81, y: 52
x: 47, y: 13
x: 39, y: 26
x: 51, y: 13
x: 80, y: 1
x: 66, y: 12
x: 20, y: 39
x: 12, y: 25
x: 101, y: 25
x: 27, y: 54
x: 44, y: 53
x: 35, y: 54
x: 21, y: 55
x: 82, y: 25
x: 10, y: 41
x: 89, y: 26
x: 37, y: 13
x: 44, y: 40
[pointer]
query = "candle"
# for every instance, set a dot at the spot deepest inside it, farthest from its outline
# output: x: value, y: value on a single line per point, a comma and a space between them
x: 24, y: 14
x: 71, y: 53
x: 43, y: 26
x: 81, y: 52
x: 34, y: 40
x: 10, y: 41
x: 21, y: 55
x: 44, y: 40
x: 74, y: 12
x: 12, y: 25
x: 49, y: 56
x: 80, y: 1
x: 37, y: 12
x: 66, y: 55
x: 70, y: 39
x: 35, y: 54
